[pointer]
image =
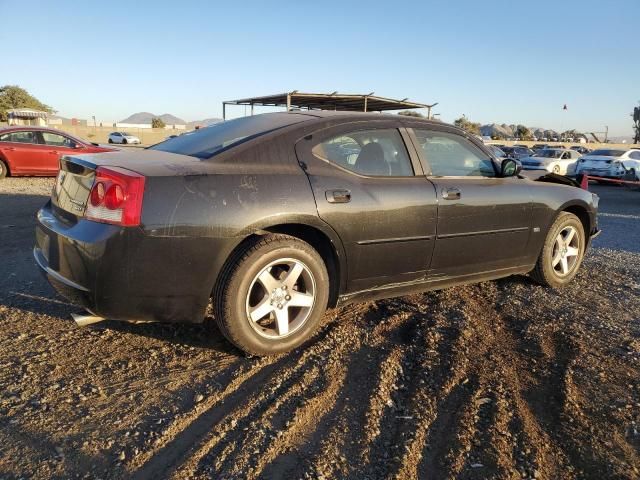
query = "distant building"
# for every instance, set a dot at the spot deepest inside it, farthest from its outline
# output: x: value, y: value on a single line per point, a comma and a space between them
x: 27, y: 116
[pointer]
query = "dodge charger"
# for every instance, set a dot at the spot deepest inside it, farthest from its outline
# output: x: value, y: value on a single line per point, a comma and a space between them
x: 271, y: 219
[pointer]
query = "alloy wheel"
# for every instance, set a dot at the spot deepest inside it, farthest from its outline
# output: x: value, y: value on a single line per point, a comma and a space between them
x: 566, y: 251
x: 281, y: 298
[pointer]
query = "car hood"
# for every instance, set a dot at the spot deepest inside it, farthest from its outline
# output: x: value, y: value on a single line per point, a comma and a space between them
x: 538, y: 160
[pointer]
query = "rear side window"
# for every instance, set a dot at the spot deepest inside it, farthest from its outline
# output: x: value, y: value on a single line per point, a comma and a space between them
x: 19, y: 137
x: 635, y: 155
x: 451, y: 155
x: 379, y: 152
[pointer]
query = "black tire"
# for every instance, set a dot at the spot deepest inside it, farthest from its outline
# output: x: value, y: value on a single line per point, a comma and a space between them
x: 544, y: 272
x: 124, y: 141
x: 231, y: 297
x: 4, y: 171
x: 110, y: 141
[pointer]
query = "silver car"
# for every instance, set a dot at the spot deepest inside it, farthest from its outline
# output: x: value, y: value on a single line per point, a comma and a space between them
x: 610, y: 163
x: 561, y: 161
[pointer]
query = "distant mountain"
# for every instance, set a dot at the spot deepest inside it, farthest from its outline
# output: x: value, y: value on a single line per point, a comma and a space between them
x: 146, y: 117
x: 203, y: 123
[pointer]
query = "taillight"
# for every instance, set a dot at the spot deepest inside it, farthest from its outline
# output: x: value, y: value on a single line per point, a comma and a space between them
x: 116, y: 197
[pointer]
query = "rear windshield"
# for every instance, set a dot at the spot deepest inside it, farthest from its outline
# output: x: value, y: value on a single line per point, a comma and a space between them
x: 608, y: 153
x: 209, y: 141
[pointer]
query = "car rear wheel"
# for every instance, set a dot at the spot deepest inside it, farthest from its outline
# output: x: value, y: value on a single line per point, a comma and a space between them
x: 271, y: 296
x: 110, y: 141
x: 556, y: 169
x: 124, y: 141
x: 562, y: 253
x: 4, y: 171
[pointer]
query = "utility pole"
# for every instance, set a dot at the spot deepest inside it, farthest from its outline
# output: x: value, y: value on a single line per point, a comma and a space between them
x: 636, y: 124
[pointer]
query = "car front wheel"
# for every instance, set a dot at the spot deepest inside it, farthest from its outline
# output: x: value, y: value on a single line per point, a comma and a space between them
x: 562, y: 253
x: 271, y: 295
x: 3, y: 169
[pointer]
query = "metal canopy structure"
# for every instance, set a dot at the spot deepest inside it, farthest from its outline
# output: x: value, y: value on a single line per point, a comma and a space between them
x: 328, y: 101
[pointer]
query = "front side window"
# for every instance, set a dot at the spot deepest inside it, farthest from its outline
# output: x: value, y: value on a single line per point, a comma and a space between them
x: 57, y: 140
x: 451, y: 155
x: 379, y: 152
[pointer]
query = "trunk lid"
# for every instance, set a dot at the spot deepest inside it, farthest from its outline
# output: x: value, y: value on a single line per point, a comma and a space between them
x: 77, y: 174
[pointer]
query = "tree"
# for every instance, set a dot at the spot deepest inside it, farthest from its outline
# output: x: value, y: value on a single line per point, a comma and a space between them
x: 468, y: 126
x: 411, y: 113
x: 157, y: 123
x: 12, y: 96
x: 523, y: 133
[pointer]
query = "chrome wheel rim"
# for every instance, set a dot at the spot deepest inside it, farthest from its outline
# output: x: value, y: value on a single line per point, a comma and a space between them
x: 280, y: 298
x: 566, y: 251
x: 556, y: 169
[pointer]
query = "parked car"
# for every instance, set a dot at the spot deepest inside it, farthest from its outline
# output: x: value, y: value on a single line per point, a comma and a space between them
x: 554, y: 160
x: 517, y: 152
x: 123, y: 138
x: 540, y: 146
x: 26, y: 150
x: 580, y: 149
x: 271, y: 218
x: 610, y: 163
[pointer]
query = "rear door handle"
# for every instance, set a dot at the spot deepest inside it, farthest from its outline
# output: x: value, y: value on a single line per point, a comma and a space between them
x: 450, y: 193
x: 338, y: 196
x: 53, y: 151
x: 8, y: 149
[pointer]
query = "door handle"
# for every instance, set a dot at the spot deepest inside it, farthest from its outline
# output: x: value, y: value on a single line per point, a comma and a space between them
x: 450, y: 193
x: 338, y: 196
x: 9, y: 149
x: 53, y: 151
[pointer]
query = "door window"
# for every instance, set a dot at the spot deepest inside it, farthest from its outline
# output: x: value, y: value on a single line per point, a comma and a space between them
x: 451, y: 155
x: 19, y: 137
x: 635, y: 155
x: 368, y: 152
x: 56, y: 140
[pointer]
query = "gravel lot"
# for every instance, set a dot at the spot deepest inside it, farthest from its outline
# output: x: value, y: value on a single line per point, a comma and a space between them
x: 504, y: 379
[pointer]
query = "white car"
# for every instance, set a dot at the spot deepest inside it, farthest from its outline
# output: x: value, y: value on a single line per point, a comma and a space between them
x: 610, y: 163
x: 554, y: 160
x: 123, y: 138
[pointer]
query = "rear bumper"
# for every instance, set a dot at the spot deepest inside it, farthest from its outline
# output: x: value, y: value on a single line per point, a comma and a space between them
x: 120, y: 273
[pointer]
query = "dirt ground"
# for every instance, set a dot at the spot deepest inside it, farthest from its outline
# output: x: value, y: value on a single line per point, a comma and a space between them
x: 504, y: 379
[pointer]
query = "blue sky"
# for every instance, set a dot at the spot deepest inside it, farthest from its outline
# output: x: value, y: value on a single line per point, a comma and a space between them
x: 502, y: 61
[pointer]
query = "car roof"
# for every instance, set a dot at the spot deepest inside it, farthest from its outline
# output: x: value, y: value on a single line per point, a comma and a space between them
x: 31, y: 127
x: 18, y: 128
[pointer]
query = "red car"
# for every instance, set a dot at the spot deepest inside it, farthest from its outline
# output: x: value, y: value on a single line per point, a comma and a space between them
x: 26, y: 150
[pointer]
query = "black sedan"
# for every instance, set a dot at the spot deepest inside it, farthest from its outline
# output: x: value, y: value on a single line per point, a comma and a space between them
x: 276, y: 217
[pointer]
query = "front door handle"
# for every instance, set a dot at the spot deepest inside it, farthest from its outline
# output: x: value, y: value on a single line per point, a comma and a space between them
x: 53, y: 151
x: 338, y: 196
x: 9, y: 149
x: 450, y: 193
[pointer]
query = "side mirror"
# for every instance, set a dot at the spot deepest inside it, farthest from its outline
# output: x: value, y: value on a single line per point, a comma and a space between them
x: 510, y: 167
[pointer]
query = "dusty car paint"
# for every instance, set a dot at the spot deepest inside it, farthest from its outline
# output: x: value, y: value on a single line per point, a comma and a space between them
x: 395, y: 235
